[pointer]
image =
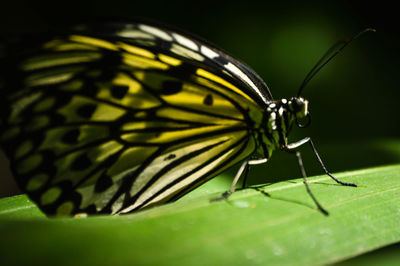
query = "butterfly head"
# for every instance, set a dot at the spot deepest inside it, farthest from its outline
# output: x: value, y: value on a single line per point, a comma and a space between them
x: 299, y: 107
x: 281, y: 115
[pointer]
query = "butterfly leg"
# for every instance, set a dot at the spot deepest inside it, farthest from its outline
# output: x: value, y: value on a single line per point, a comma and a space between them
x: 297, y: 144
x: 245, y: 175
x: 291, y: 148
x: 303, y: 173
x: 243, y: 171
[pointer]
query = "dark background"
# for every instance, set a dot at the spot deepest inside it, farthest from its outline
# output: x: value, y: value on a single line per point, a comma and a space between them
x: 354, y: 100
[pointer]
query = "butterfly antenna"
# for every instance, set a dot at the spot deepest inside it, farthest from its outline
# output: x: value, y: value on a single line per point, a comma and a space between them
x: 328, y: 56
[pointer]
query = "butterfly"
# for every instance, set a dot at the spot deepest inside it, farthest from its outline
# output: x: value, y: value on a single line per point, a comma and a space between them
x: 115, y: 117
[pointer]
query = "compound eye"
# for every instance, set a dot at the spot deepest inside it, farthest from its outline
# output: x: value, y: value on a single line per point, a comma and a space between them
x: 297, y: 104
x: 299, y: 107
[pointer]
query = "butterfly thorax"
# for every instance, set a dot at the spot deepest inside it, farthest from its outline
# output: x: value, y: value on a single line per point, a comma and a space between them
x: 278, y: 120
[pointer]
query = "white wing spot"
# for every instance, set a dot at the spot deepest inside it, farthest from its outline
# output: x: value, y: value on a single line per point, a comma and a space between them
x: 182, y: 51
x: 272, y: 105
x: 134, y: 34
x: 281, y: 111
x: 234, y: 69
x: 156, y: 32
x: 284, y: 101
x: 231, y: 67
x: 185, y: 42
x: 208, y: 52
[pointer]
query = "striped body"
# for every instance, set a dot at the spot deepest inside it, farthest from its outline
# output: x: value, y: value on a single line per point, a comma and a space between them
x: 113, y: 118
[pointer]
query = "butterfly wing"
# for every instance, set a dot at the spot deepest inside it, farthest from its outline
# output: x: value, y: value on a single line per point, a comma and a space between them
x: 113, y: 118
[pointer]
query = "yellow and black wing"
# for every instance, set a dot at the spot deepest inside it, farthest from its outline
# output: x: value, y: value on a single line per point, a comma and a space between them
x: 112, y: 118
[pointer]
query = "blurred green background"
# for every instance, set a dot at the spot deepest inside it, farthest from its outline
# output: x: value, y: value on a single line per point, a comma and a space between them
x: 354, y: 99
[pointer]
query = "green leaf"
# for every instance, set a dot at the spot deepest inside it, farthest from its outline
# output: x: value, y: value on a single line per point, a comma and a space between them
x: 272, y: 224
